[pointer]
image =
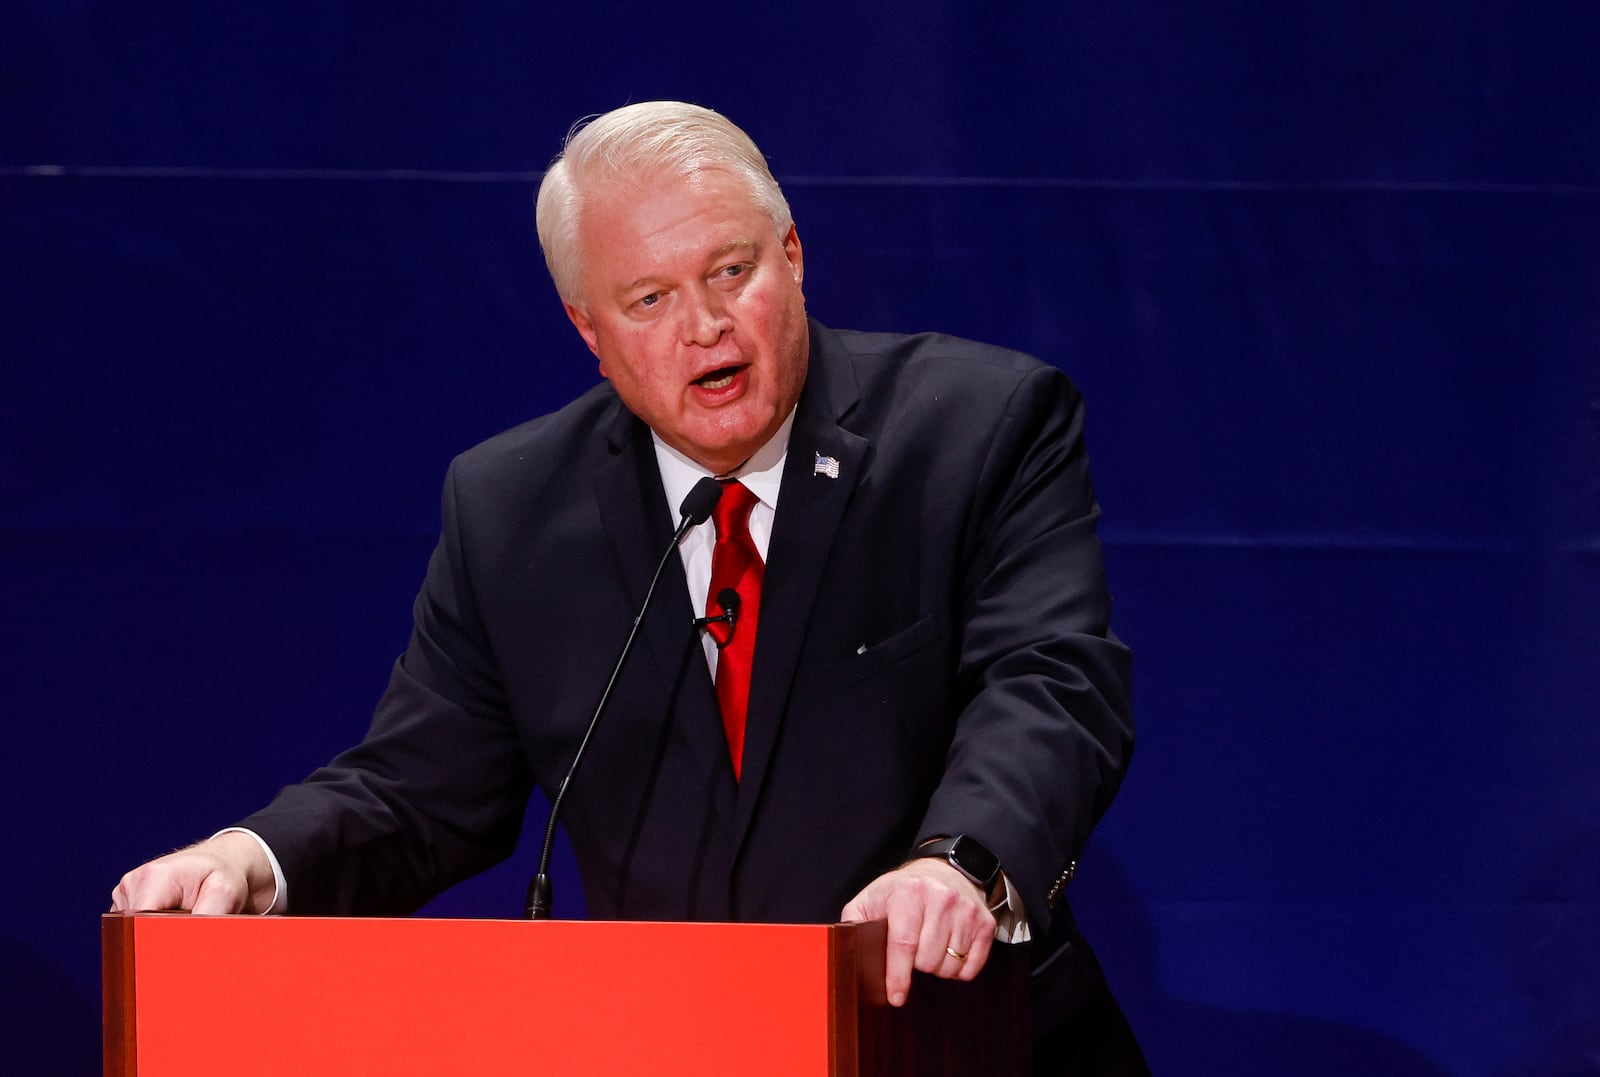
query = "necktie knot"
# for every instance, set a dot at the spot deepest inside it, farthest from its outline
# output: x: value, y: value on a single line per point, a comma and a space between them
x: 731, y: 516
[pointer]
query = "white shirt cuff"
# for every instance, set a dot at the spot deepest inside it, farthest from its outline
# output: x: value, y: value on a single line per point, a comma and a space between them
x: 1011, y: 918
x: 280, y: 889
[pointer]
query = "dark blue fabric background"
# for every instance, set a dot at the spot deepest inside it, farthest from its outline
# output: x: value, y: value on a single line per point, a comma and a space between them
x: 1328, y: 275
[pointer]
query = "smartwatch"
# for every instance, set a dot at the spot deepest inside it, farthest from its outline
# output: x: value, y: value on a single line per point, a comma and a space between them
x: 966, y: 855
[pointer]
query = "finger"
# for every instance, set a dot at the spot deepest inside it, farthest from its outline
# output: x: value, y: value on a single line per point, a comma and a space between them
x: 905, y: 938
x: 938, y: 936
x: 146, y: 889
x: 221, y: 893
x: 956, y: 956
x: 953, y: 958
x: 955, y: 922
x: 978, y: 949
x: 968, y: 931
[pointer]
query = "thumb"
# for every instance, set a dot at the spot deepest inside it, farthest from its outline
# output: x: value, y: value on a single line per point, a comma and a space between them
x: 862, y: 907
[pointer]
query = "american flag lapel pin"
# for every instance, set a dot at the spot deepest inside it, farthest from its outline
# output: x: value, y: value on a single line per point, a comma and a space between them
x: 826, y: 465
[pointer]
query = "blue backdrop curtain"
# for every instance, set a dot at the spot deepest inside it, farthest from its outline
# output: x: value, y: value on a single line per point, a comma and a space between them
x: 1326, y: 273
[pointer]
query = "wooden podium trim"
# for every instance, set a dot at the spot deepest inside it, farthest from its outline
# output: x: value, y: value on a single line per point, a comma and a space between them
x: 846, y: 943
x: 118, y: 1016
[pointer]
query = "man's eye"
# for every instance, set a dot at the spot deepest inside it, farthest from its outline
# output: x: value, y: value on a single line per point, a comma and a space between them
x: 650, y: 300
x: 738, y: 269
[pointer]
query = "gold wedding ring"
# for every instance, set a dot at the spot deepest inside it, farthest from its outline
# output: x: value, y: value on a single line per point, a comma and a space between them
x: 952, y: 953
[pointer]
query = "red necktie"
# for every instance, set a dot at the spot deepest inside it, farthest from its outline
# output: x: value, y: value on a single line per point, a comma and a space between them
x: 735, y: 563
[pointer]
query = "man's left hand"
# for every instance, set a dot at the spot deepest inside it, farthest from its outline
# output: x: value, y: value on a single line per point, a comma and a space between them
x: 934, y: 914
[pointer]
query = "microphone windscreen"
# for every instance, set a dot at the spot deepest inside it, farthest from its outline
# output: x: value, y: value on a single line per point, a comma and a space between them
x: 701, y: 500
x: 728, y: 599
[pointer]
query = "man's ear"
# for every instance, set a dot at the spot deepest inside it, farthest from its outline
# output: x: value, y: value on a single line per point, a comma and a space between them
x: 580, y: 321
x: 795, y: 256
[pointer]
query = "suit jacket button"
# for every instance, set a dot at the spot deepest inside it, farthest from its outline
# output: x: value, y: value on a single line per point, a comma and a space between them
x: 1053, y: 898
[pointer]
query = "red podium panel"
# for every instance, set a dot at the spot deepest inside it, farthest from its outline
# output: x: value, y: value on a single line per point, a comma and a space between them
x: 302, y: 996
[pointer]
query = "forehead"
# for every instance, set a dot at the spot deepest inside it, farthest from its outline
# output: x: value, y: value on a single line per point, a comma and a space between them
x: 670, y: 213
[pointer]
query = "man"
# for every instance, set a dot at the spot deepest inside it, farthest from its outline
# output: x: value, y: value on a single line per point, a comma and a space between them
x: 910, y: 538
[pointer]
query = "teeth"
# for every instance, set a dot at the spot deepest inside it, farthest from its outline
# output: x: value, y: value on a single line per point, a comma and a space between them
x: 718, y: 383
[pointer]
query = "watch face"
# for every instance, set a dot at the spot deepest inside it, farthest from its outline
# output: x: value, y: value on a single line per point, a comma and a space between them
x: 974, y: 859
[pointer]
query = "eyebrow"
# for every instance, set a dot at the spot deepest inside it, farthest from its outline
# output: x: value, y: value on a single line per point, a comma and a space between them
x: 725, y: 249
x: 728, y: 247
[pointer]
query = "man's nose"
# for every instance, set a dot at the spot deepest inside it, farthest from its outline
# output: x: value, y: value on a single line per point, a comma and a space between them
x: 705, y: 319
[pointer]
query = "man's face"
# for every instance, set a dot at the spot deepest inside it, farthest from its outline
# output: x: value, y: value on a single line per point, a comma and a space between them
x: 692, y: 304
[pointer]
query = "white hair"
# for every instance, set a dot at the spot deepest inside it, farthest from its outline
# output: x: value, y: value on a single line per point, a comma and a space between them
x: 621, y: 151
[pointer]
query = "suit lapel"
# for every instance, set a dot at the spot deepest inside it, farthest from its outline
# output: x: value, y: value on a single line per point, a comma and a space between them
x: 810, y: 508
x: 638, y: 525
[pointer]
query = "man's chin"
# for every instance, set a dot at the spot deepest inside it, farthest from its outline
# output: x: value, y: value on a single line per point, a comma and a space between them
x: 723, y: 456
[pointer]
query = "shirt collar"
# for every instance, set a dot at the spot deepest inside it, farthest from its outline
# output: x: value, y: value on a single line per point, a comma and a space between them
x: 762, y: 473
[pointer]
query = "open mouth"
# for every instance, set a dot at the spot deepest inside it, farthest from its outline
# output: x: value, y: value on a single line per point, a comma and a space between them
x: 718, y: 379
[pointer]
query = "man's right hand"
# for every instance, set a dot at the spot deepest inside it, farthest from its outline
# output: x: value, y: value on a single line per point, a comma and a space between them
x: 225, y: 874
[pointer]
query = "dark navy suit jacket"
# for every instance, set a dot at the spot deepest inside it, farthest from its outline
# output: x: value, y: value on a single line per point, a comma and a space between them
x: 935, y: 657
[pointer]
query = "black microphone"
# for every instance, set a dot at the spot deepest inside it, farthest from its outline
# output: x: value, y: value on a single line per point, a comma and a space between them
x: 728, y: 599
x: 696, y: 508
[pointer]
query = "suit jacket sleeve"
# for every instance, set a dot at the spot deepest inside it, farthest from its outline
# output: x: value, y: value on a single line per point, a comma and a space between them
x: 1045, y: 727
